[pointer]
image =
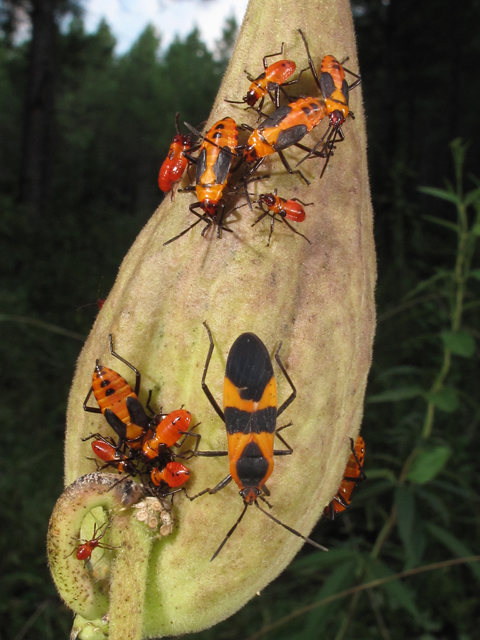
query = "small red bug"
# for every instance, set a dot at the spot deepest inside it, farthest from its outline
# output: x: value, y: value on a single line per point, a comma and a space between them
x: 286, y: 210
x: 271, y: 82
x: 175, y: 164
x: 119, y: 403
x: 173, y: 474
x: 284, y: 128
x: 335, y: 89
x: 250, y: 415
x: 213, y: 163
x: 85, y: 549
x: 352, y: 475
x: 168, y: 432
x: 107, y: 450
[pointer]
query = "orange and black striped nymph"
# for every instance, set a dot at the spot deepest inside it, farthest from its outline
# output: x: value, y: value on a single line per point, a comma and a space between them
x: 274, y: 77
x: 213, y: 165
x: 250, y: 415
x: 335, y: 90
x: 119, y: 402
x: 352, y: 475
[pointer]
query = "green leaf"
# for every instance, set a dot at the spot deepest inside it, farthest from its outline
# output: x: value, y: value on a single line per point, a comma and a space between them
x: 446, y: 399
x: 394, y: 395
x: 474, y: 273
x: 435, y: 503
x: 428, y: 464
x: 441, y: 273
x: 455, y: 546
x: 440, y: 193
x: 443, y: 223
x: 374, y: 489
x: 405, y: 503
x: 318, y: 561
x: 461, y: 343
x: 471, y: 196
x: 342, y: 577
x: 399, y: 594
x: 476, y: 229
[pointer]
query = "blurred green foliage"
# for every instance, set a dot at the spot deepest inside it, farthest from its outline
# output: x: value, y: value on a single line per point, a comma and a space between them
x: 114, y: 120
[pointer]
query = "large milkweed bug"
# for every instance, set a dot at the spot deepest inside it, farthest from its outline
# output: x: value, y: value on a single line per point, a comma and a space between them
x: 86, y: 547
x: 213, y: 166
x: 334, y: 88
x: 119, y: 403
x: 168, y: 432
x: 174, y: 165
x: 284, y: 128
x: 271, y: 82
x: 174, y: 474
x: 286, y: 210
x: 352, y: 475
x: 107, y: 450
x: 250, y: 415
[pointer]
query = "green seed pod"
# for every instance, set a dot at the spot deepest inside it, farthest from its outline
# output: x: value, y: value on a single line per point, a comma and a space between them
x: 317, y: 298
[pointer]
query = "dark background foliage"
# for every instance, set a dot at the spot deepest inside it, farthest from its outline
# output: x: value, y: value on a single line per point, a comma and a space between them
x: 82, y: 137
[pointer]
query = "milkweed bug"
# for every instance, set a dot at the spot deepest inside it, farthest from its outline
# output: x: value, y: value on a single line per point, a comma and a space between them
x: 107, y: 450
x: 271, y: 81
x: 352, y: 475
x: 168, y: 432
x: 334, y: 88
x: 174, y: 474
x: 174, y: 165
x: 118, y: 402
x: 86, y: 548
x: 286, y: 210
x: 213, y: 166
x: 284, y: 128
x: 250, y: 415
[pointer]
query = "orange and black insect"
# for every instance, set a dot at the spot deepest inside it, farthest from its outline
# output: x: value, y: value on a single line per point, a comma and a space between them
x: 175, y: 164
x: 271, y: 82
x: 174, y: 474
x: 352, y: 475
x: 86, y: 547
x: 335, y: 90
x: 119, y: 403
x: 286, y: 210
x: 213, y: 166
x: 107, y: 450
x: 250, y: 416
x: 284, y: 128
x: 168, y: 433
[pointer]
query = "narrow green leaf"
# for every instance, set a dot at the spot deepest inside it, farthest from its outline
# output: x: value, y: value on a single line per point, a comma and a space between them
x: 373, y: 489
x: 401, y: 370
x: 474, y: 273
x: 476, y: 229
x: 446, y: 399
x: 471, y: 196
x: 405, y: 503
x: 316, y: 561
x: 441, y: 273
x: 428, y: 464
x: 342, y: 577
x: 394, y: 395
x: 440, y: 193
x: 461, y: 343
x: 435, y: 503
x: 456, y: 547
x: 443, y: 223
x: 399, y: 594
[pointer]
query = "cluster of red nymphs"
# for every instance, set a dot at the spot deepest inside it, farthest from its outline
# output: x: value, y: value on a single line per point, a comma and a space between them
x: 285, y: 127
x: 144, y: 442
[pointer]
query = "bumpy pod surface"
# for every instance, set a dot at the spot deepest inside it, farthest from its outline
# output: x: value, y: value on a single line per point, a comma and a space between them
x: 317, y: 298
